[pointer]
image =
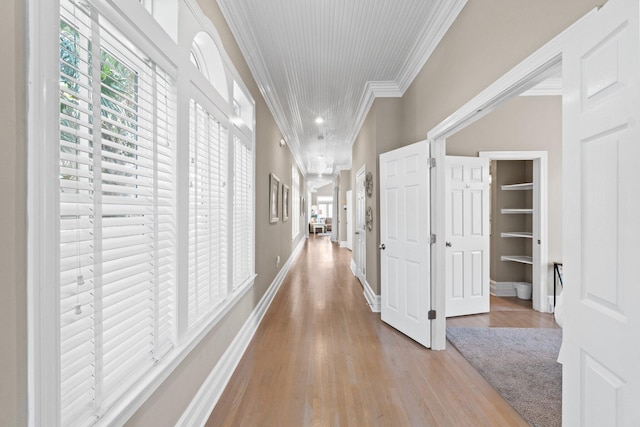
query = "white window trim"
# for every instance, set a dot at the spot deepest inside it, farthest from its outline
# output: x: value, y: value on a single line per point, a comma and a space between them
x: 42, y: 239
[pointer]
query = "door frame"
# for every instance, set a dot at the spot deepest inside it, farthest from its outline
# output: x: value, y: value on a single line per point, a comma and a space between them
x: 360, y: 270
x: 540, y: 267
x: 349, y: 221
x: 540, y: 65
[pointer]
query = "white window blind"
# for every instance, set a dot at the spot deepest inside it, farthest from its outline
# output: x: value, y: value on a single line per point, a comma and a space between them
x: 242, y: 212
x: 295, y: 201
x: 208, y: 228
x: 117, y: 221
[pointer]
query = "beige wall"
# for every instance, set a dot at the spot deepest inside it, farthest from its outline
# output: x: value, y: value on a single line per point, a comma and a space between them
x: 272, y: 240
x: 13, y: 283
x: 364, y: 153
x: 167, y: 404
x: 526, y: 123
x: 487, y: 39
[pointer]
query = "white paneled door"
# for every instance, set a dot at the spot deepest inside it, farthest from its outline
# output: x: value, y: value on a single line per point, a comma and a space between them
x: 601, y: 149
x: 349, y: 221
x: 360, y: 253
x: 404, y: 241
x: 467, y: 235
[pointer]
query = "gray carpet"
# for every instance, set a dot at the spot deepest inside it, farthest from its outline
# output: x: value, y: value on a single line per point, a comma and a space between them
x: 521, y: 364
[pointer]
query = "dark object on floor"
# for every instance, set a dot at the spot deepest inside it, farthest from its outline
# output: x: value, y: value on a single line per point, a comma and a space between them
x: 521, y: 364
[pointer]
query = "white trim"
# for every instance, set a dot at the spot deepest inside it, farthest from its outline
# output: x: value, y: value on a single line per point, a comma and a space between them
x: 434, y: 31
x: 42, y: 238
x: 343, y: 244
x: 549, y: 87
x: 120, y: 412
x: 201, y: 406
x: 426, y: 43
x: 374, y: 301
x: 352, y: 266
x: 540, y: 268
x: 536, y: 68
x: 502, y: 289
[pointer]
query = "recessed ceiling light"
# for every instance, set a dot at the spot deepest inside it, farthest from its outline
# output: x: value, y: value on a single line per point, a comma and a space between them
x: 319, y: 120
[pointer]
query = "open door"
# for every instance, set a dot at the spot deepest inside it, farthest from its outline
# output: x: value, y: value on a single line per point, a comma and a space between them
x: 404, y: 241
x: 349, y: 221
x: 467, y: 235
x: 360, y: 253
x: 601, y: 149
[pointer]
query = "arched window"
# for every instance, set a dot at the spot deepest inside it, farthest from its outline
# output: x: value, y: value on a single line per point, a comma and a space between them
x: 206, y: 57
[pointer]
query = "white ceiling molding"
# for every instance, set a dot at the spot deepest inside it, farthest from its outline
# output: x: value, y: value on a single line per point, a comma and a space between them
x: 439, y: 24
x: 332, y: 59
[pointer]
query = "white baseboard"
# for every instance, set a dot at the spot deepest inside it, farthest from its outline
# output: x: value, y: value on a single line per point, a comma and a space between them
x: 352, y: 265
x: 200, y: 408
x: 343, y: 244
x: 374, y: 301
x: 502, y: 289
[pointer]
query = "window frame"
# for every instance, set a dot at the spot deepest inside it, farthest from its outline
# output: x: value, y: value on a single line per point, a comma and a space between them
x: 42, y: 196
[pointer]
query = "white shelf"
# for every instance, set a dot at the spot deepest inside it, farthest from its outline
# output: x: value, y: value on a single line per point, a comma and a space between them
x: 518, y: 258
x: 525, y: 234
x: 523, y: 186
x: 517, y: 211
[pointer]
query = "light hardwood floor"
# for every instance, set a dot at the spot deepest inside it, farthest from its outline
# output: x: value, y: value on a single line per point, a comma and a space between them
x: 320, y: 357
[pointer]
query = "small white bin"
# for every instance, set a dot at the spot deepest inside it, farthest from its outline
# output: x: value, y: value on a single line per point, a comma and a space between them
x: 523, y: 290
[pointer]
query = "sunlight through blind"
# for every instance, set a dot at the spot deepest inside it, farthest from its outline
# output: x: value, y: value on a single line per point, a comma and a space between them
x: 208, y: 228
x: 117, y: 215
x: 242, y: 212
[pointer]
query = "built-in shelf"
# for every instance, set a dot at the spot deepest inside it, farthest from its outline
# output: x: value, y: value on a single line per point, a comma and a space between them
x: 525, y: 234
x: 516, y: 211
x: 523, y: 186
x: 518, y: 258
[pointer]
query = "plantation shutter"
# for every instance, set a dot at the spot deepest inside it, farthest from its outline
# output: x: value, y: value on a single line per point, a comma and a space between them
x: 242, y: 212
x: 117, y: 215
x: 208, y: 158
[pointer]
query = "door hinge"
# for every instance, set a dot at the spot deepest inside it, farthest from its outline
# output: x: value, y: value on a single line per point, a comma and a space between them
x: 431, y: 315
x: 432, y: 238
x: 432, y: 162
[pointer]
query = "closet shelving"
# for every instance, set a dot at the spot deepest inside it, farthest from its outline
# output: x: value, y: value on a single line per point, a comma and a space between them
x: 523, y: 259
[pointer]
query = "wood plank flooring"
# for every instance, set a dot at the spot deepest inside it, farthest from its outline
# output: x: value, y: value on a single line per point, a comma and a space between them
x: 320, y: 357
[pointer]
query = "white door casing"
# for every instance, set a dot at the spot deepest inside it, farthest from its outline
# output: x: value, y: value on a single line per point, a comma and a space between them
x: 404, y: 241
x: 601, y: 149
x: 360, y: 255
x: 467, y: 235
x: 349, y: 195
x: 541, y: 269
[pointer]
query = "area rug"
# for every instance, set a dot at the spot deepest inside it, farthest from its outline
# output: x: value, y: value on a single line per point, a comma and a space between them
x: 521, y: 364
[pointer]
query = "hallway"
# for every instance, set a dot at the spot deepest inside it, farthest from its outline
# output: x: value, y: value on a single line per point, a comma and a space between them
x: 320, y: 357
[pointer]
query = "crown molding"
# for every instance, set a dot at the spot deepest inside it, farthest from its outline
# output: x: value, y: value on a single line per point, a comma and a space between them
x: 446, y: 13
x: 435, y: 29
x: 262, y: 77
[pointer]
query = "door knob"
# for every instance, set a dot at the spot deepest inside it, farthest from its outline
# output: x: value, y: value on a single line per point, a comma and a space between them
x: 382, y: 246
x: 448, y: 244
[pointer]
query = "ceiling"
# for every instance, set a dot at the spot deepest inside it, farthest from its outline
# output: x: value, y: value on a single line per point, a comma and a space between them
x: 330, y: 59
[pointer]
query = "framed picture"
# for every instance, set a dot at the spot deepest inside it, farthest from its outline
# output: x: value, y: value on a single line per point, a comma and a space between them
x: 274, y: 198
x: 302, y: 210
x: 285, y: 203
